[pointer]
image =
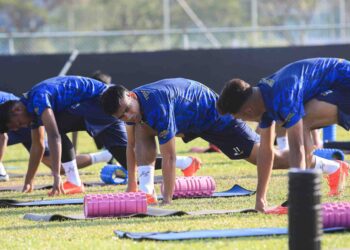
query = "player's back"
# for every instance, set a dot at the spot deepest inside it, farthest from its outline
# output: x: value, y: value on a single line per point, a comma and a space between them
x: 191, y: 103
x: 306, y: 77
x: 61, y: 92
x: 5, y: 96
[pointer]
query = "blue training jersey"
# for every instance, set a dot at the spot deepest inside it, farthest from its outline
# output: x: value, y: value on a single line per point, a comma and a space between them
x: 59, y: 93
x: 174, y: 106
x: 5, y: 96
x: 286, y: 91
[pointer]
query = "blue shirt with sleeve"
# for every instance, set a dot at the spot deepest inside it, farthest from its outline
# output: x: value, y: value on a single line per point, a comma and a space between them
x: 286, y: 91
x: 5, y: 96
x: 180, y: 106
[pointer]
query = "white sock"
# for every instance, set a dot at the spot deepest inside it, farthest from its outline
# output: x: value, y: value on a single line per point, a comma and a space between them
x: 2, y: 169
x: 182, y: 162
x: 327, y: 166
x: 282, y: 143
x: 146, y: 179
x: 102, y: 156
x: 71, y: 170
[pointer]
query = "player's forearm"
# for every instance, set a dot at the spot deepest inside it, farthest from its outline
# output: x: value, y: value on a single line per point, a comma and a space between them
x: 264, y: 168
x: 3, y: 145
x: 168, y: 170
x: 54, y: 142
x: 131, y: 165
x: 36, y: 154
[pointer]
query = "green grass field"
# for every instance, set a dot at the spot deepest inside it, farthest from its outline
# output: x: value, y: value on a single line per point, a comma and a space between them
x: 17, y: 233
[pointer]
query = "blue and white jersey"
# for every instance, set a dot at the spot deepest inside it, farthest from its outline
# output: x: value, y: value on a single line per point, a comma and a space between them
x: 5, y: 96
x: 286, y: 91
x: 58, y: 93
x: 178, y: 105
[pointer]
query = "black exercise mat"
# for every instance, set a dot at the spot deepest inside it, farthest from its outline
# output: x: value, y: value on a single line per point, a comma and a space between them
x: 151, y: 212
x: 213, y: 234
x: 236, y: 190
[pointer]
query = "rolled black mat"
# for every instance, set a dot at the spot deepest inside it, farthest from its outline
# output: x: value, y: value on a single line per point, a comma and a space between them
x: 235, y: 191
x: 151, y: 212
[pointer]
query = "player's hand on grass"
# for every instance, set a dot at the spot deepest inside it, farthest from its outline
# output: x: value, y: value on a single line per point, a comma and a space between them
x: 166, y: 201
x: 261, y: 205
x: 132, y: 187
x: 27, y: 188
x: 57, y: 188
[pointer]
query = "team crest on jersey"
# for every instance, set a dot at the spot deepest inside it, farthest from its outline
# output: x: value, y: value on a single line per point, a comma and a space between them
x: 269, y: 82
x: 163, y: 134
x: 36, y: 110
x: 288, y: 118
x: 326, y: 92
x: 145, y: 94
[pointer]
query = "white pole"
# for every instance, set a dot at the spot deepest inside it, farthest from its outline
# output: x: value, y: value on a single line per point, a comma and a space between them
x: 69, y: 63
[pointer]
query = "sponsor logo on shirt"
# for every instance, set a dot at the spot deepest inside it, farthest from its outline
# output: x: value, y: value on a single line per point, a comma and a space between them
x: 74, y: 106
x: 269, y: 82
x: 237, y: 151
x: 288, y: 118
x: 325, y: 93
x: 145, y: 94
x: 163, y: 134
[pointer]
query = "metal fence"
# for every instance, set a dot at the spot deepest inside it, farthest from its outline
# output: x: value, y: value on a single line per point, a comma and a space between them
x: 152, y: 40
x: 254, y: 35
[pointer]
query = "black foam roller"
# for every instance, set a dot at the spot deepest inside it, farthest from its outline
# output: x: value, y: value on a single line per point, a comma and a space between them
x: 304, y: 209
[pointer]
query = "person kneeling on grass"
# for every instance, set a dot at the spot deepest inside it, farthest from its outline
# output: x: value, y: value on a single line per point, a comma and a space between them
x: 282, y: 97
x: 175, y: 107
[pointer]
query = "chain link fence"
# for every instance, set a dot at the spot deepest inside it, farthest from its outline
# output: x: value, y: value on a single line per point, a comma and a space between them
x: 260, y: 24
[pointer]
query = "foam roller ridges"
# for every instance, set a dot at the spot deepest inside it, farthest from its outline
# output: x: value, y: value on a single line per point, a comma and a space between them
x: 108, y: 175
x: 330, y: 153
x: 194, y: 186
x: 336, y: 214
x: 112, y: 205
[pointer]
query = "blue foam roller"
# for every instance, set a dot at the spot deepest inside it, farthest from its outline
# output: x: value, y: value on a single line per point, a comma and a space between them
x: 329, y: 133
x: 109, y: 175
x: 330, y: 153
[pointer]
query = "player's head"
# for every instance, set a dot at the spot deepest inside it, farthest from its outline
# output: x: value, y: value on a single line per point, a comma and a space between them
x: 122, y: 104
x: 234, y: 100
x: 102, y: 77
x: 13, y: 116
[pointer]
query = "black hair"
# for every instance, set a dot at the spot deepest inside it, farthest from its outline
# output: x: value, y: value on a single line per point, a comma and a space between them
x: 111, y: 98
x: 5, y: 114
x: 234, y: 94
x: 101, y: 76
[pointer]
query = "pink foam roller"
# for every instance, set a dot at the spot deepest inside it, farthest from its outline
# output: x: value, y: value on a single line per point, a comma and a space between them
x: 193, y: 186
x: 113, y: 205
x: 336, y: 214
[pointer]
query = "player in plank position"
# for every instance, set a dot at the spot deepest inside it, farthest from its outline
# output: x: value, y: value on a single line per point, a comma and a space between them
x: 281, y: 97
x: 176, y: 107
